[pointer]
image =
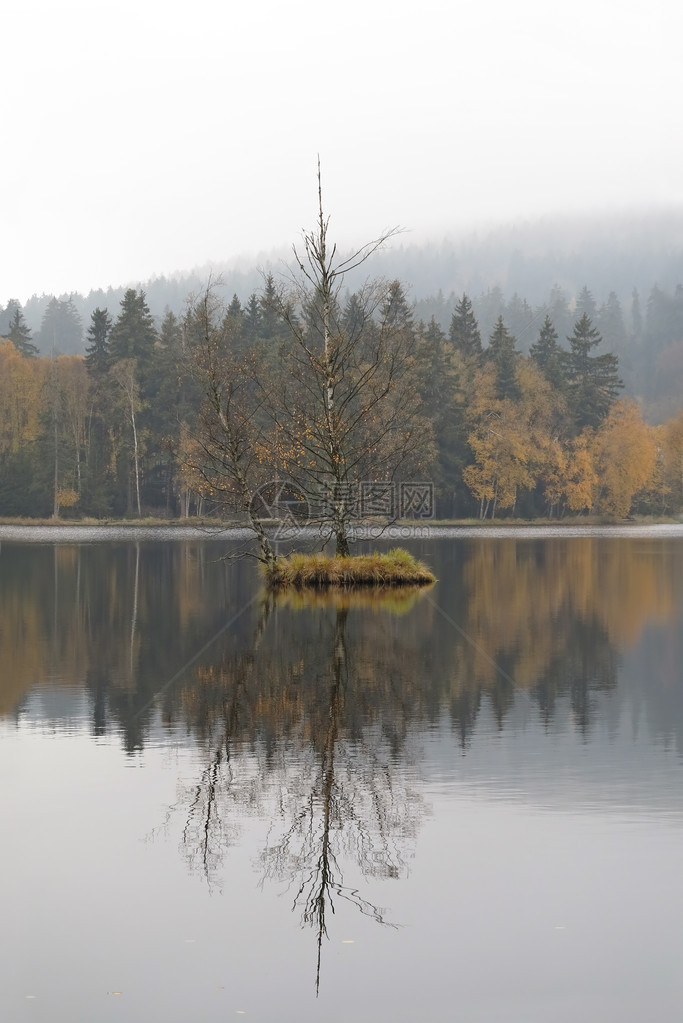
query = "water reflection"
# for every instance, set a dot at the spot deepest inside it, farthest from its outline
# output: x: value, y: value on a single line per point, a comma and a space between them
x: 550, y: 618
x: 117, y: 620
x: 315, y: 734
x: 312, y: 733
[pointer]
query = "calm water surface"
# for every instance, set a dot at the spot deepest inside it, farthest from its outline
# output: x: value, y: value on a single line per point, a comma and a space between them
x: 465, y: 804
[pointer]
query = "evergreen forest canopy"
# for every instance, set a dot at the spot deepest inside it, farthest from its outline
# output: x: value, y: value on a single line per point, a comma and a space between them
x: 522, y: 409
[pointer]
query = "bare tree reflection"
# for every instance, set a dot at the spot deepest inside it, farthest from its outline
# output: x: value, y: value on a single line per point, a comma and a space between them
x: 346, y: 803
x: 210, y: 826
x: 299, y: 730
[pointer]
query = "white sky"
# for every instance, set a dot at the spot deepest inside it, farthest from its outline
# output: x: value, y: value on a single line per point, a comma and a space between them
x: 146, y: 137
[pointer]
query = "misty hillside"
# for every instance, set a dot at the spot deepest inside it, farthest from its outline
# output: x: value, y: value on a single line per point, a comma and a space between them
x: 606, y: 254
x: 632, y: 265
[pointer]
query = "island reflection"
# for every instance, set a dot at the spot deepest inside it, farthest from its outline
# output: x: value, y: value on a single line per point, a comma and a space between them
x: 547, y: 618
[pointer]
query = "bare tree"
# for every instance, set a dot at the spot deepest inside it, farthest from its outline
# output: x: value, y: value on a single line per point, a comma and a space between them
x: 345, y: 405
x: 333, y: 404
x: 230, y: 456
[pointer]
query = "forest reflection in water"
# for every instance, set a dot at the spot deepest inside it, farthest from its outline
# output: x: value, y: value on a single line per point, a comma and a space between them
x: 307, y: 711
x: 548, y: 617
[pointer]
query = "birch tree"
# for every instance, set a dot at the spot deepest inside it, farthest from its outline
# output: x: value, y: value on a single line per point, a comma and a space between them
x: 345, y: 404
x: 227, y: 457
x: 125, y: 376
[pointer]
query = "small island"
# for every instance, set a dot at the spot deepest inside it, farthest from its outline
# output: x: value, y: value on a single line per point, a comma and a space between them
x: 318, y: 571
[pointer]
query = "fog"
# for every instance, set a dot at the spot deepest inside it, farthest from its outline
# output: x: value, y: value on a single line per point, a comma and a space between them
x: 148, y: 138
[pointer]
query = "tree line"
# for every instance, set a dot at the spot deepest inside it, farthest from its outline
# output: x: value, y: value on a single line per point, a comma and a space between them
x: 122, y: 431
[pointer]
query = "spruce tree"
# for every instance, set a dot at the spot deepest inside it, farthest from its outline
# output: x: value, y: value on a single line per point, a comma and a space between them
x: 354, y: 316
x: 585, y: 304
x: 20, y: 335
x: 503, y: 354
x: 593, y: 380
x: 271, y: 323
x: 636, y: 318
x: 234, y: 311
x: 97, y: 348
x: 464, y: 332
x: 251, y: 322
x: 134, y: 335
x: 135, y: 380
x: 441, y: 394
x: 61, y: 329
x: 99, y: 494
x: 559, y: 312
x: 548, y: 355
x: 7, y: 315
x: 610, y: 323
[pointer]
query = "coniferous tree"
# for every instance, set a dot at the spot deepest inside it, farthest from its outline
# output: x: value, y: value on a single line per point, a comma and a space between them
x: 98, y: 492
x: 520, y: 316
x: 7, y: 316
x: 440, y: 392
x: 251, y: 322
x: 354, y: 315
x: 488, y: 308
x: 396, y: 314
x: 235, y: 320
x: 592, y: 380
x: 559, y: 312
x: 20, y: 335
x: 135, y: 383
x: 431, y: 363
x: 549, y: 356
x: 235, y: 312
x: 271, y: 322
x: 636, y: 318
x: 134, y: 335
x: 61, y: 329
x: 97, y: 348
x: 168, y: 411
x: 585, y: 304
x: 503, y: 354
x: 610, y: 323
x: 464, y: 332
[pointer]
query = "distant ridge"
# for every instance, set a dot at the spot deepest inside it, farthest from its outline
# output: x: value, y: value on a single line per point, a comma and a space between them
x: 611, y: 252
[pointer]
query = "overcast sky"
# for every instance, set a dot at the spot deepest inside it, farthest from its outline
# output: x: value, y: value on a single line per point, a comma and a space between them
x: 148, y: 137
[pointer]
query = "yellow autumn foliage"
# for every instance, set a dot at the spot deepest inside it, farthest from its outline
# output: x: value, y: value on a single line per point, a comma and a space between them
x: 625, y: 457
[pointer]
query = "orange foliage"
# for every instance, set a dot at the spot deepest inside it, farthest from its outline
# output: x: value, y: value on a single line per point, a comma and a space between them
x: 20, y: 398
x: 625, y: 455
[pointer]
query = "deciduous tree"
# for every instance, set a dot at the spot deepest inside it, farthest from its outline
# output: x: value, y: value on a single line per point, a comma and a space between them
x: 625, y: 458
x: 346, y: 407
x: 226, y: 458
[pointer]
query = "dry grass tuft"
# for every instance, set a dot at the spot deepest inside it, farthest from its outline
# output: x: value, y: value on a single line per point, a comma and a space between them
x: 396, y: 568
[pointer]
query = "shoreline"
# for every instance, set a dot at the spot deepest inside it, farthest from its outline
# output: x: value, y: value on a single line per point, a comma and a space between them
x: 129, y: 531
x: 363, y: 528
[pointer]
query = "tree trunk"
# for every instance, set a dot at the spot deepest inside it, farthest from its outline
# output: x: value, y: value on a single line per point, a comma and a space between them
x: 342, y: 549
x: 135, y: 456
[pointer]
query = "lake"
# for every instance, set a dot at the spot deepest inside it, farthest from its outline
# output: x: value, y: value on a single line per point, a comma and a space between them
x: 464, y: 803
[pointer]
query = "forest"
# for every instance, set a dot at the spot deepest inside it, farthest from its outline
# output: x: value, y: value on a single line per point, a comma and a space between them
x: 566, y: 407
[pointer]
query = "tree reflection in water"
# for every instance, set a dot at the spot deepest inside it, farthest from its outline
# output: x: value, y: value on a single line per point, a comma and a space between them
x: 303, y: 724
